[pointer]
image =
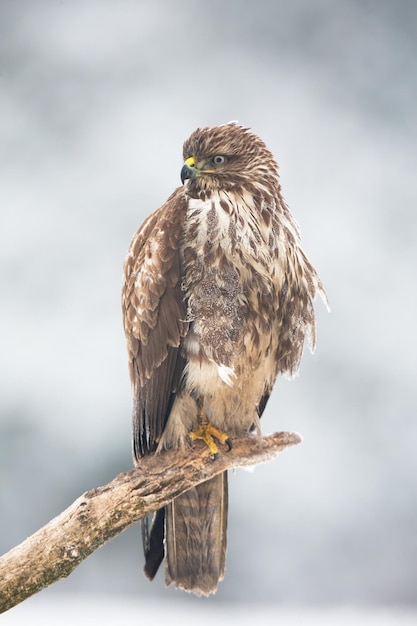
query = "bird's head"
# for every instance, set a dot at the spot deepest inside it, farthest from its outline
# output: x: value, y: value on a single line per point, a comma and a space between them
x: 227, y: 157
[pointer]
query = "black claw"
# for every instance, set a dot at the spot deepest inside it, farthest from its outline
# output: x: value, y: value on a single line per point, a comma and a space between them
x: 229, y: 445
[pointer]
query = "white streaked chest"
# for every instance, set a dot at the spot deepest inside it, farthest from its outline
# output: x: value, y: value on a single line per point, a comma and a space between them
x: 235, y: 227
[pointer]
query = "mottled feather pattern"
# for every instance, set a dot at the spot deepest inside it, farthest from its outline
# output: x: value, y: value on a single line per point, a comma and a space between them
x: 217, y: 300
x: 152, y: 278
x: 154, y: 320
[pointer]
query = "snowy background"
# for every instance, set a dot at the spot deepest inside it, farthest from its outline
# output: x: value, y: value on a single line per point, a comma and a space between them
x: 96, y: 99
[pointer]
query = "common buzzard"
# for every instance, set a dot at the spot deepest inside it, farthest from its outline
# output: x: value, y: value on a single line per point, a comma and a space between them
x: 217, y: 302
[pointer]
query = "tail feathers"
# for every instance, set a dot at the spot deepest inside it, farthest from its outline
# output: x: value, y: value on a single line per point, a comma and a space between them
x: 153, y: 543
x: 196, y: 537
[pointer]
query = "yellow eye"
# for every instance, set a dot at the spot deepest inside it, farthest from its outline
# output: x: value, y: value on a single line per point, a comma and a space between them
x: 219, y: 159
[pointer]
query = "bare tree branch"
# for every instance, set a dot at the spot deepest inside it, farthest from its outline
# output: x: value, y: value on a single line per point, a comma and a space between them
x: 101, y: 514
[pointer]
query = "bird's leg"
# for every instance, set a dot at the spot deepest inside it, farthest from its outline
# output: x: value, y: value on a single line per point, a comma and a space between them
x: 207, y: 433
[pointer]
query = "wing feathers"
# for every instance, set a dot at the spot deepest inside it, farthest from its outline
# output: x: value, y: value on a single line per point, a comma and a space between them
x: 154, y: 319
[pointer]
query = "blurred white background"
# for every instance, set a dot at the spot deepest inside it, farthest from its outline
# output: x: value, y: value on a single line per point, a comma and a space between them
x: 96, y: 99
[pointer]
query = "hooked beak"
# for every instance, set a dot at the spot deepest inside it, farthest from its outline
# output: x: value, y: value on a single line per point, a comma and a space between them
x: 189, y: 170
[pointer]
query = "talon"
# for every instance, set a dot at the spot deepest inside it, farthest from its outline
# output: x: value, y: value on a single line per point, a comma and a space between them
x: 207, y: 433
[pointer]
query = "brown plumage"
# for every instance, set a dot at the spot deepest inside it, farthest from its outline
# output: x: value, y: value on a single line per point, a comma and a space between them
x: 217, y: 301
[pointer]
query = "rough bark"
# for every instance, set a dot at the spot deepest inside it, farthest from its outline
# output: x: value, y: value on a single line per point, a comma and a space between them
x: 100, y: 514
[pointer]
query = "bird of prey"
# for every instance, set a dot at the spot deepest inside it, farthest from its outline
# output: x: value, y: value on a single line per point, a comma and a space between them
x: 217, y: 301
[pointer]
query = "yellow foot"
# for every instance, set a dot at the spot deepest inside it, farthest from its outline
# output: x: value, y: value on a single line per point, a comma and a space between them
x: 207, y: 433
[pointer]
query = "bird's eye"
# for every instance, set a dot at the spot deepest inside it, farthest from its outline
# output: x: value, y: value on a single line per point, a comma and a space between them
x: 219, y: 159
